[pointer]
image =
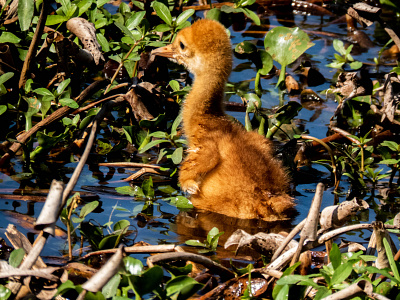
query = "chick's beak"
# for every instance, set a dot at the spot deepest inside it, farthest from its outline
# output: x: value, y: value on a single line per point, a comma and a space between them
x: 165, y: 51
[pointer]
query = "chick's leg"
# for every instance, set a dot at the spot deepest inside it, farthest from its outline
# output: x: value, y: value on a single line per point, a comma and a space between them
x: 197, y: 164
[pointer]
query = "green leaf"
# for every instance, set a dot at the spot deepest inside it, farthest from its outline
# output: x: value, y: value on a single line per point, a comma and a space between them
x: 213, y: 232
x: 390, y: 144
x: 180, y: 202
x: 283, y: 293
x: 55, y: 19
x: 195, y: 243
x: 184, y: 16
x: 16, y: 257
x: 163, y: 12
x: 214, y: 14
x: 173, y: 84
x: 390, y: 257
x: 356, y: 65
x: 339, y: 46
x: 147, y: 187
x: 163, y: 28
x: 335, y: 65
x: 253, y: 102
x: 184, y: 285
x: 135, y: 20
x: 341, y: 273
x: 83, y: 6
x: 100, y: 3
x: 129, y: 190
x: 5, y: 77
x: 287, y: 112
x: 389, y: 161
x: 68, y: 102
x: 5, y: 293
x: 133, y: 266
x: 335, y: 256
x: 62, y: 86
x: 125, y: 30
x: 25, y: 13
x: 176, y: 123
x: 8, y: 37
x: 177, y: 156
x: 121, y: 225
x: 109, y: 242
x: 245, y: 47
x: 3, y: 109
x: 111, y: 287
x: 88, y: 208
x: 43, y: 92
x: 149, y: 281
x: 285, y: 45
x: 264, y: 63
x: 252, y: 15
x: 152, y: 144
x: 159, y: 134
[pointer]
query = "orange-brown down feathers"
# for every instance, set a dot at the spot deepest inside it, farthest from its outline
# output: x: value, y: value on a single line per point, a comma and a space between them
x: 228, y: 170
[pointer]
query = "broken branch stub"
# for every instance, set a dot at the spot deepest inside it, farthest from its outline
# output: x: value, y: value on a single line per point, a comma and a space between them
x: 49, y: 214
x: 391, y: 96
x: 86, y: 32
x: 335, y: 216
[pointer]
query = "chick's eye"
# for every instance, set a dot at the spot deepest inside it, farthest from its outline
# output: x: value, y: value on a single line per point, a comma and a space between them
x: 182, y: 45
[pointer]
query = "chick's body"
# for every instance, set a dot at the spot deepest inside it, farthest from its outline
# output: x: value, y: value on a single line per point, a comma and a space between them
x: 228, y: 170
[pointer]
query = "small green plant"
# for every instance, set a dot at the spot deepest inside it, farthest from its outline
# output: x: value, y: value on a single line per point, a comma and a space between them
x: 344, y: 57
x: 261, y: 59
x: 171, y: 24
x: 174, y: 153
x: 210, y: 244
x: 340, y: 273
x: 135, y: 281
x: 390, y: 152
x: 285, y: 45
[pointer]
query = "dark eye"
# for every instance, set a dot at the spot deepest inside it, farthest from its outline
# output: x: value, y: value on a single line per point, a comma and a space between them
x: 182, y: 45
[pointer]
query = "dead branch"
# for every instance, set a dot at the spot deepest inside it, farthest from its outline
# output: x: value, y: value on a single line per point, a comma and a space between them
x: 309, y: 231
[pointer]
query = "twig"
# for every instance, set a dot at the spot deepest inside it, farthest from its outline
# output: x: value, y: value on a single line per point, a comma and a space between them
x: 208, y: 263
x: 135, y: 249
x: 287, y: 240
x: 143, y: 171
x: 333, y: 161
x: 81, y: 109
x: 122, y: 63
x: 34, y: 44
x: 128, y: 165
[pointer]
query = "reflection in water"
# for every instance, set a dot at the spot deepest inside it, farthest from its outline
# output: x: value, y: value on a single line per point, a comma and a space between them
x: 196, y: 224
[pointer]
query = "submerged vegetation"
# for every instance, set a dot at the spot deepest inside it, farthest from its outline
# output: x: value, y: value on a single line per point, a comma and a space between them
x: 78, y: 83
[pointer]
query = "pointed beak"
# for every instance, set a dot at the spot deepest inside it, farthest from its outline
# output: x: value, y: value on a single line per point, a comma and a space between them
x: 165, y: 51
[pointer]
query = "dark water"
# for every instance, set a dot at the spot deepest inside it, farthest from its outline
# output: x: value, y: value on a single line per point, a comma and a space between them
x: 166, y: 223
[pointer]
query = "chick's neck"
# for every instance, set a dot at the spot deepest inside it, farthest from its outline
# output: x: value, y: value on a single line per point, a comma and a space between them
x: 204, y: 101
